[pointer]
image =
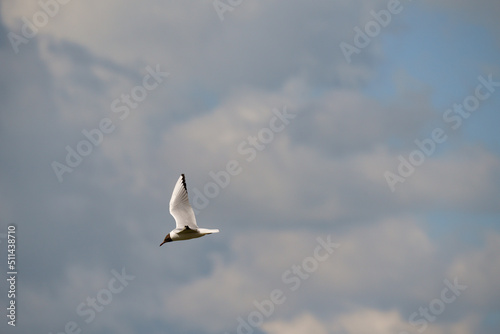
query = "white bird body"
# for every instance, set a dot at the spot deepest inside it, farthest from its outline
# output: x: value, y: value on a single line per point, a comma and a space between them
x: 180, y: 208
x: 185, y: 234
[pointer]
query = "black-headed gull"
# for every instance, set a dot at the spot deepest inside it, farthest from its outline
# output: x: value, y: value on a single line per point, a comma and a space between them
x: 186, y: 227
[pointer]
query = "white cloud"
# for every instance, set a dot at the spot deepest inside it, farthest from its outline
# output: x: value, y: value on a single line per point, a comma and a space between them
x: 479, y: 270
x: 364, y: 321
x: 368, y: 257
x: 322, y: 174
x: 189, y: 38
x: 464, y: 180
x: 305, y: 323
x: 367, y: 321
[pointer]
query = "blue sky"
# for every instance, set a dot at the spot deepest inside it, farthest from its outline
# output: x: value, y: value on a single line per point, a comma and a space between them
x: 91, y: 227
x: 455, y: 52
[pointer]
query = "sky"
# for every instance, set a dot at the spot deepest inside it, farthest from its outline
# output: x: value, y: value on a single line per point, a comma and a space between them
x: 348, y: 151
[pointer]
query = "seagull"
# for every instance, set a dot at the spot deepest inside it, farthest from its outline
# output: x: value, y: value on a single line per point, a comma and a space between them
x: 185, y: 221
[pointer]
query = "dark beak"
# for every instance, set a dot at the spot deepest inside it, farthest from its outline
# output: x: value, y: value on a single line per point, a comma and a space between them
x: 167, y: 239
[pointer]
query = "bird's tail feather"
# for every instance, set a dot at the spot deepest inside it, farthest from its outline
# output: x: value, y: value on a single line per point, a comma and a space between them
x: 208, y: 230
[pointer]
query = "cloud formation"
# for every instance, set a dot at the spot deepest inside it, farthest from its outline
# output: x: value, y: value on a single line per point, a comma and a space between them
x: 318, y: 173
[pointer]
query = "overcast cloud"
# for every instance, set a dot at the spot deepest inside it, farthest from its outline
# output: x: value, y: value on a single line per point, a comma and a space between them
x: 390, y: 152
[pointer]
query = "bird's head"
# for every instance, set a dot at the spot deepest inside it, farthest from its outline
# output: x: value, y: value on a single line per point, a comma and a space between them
x: 167, y: 239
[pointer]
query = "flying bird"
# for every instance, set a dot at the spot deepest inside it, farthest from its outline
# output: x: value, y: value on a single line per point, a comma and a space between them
x: 185, y: 221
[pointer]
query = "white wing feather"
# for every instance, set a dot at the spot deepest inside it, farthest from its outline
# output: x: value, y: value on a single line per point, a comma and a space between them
x: 180, y: 208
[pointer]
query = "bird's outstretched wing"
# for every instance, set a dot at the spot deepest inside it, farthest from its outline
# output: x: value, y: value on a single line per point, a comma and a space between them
x: 180, y: 207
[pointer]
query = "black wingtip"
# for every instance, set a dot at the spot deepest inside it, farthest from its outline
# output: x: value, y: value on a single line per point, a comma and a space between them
x: 184, y: 181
